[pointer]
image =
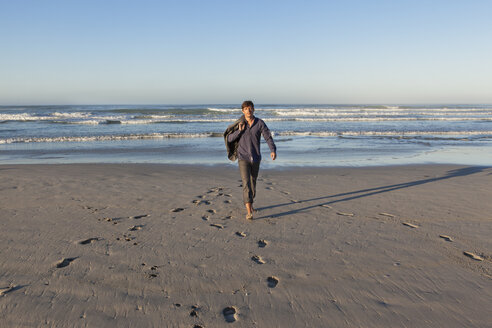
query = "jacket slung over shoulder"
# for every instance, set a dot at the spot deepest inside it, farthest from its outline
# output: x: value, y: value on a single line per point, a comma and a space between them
x: 231, y: 147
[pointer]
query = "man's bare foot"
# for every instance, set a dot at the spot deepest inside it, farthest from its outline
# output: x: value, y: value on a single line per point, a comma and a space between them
x: 249, y: 216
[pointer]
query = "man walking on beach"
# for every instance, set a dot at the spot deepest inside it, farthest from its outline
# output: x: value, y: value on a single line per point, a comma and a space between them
x: 243, y: 143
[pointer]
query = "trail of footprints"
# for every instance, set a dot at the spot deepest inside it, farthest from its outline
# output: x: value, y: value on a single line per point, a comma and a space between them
x: 230, y: 313
x: 207, y: 199
x: 411, y: 225
x: 128, y: 237
x: 447, y: 238
x: 152, y: 273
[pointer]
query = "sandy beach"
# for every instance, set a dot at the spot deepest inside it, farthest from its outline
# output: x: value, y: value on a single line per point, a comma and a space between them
x: 142, y: 245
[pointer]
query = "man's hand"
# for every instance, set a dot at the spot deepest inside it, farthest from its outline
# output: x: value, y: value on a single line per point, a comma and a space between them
x: 241, y: 126
x: 273, y: 156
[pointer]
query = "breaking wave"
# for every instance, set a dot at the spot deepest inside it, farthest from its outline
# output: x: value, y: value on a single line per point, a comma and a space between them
x: 111, y: 137
x: 457, y: 135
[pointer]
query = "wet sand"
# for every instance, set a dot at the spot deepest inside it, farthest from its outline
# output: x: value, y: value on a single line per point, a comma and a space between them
x: 137, y: 245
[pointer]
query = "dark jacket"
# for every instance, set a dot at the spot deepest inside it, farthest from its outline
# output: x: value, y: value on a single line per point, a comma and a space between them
x: 231, y: 147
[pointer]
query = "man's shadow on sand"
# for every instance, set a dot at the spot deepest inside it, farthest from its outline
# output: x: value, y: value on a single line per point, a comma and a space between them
x: 368, y: 192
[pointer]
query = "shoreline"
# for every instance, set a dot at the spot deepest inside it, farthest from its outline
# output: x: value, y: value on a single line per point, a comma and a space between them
x: 168, y: 245
x: 270, y: 166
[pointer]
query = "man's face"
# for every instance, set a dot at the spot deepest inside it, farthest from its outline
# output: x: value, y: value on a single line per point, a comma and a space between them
x: 248, y: 112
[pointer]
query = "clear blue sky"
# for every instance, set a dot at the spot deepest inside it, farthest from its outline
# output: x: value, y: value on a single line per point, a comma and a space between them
x: 206, y: 51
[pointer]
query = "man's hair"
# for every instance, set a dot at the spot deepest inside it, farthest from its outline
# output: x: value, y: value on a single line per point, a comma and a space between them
x: 247, y: 103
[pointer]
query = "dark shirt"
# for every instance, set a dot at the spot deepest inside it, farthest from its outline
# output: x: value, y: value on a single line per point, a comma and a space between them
x: 249, y: 142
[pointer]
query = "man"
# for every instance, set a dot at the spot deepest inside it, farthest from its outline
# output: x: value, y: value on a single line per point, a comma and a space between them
x: 243, y: 143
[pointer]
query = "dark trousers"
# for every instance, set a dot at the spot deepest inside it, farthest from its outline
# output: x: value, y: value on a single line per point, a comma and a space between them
x: 249, y: 173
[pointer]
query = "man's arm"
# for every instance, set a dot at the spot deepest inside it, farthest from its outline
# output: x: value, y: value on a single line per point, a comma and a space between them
x: 269, y: 140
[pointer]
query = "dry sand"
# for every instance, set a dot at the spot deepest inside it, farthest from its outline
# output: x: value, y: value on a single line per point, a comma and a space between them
x: 168, y: 246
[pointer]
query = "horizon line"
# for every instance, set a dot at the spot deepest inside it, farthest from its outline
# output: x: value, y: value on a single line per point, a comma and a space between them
x: 256, y: 104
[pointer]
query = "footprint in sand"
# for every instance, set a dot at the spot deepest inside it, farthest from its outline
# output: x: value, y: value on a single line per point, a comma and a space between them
x: 285, y: 192
x: 136, y: 227
x: 216, y: 225
x: 272, y: 281
x: 240, y: 234
x: 408, y: 224
x: 140, y: 216
x: 6, y: 290
x: 258, y: 259
x: 216, y: 189
x: 269, y: 188
x: 446, y: 238
x: 230, y: 314
x: 201, y: 202
x: 178, y: 209
x: 65, y: 262
x: 194, y: 311
x: 345, y: 214
x: 212, y: 211
x: 227, y: 201
x: 387, y: 214
x: 114, y: 220
x: 473, y: 256
x: 126, y: 237
x: 93, y: 209
x: 88, y: 241
x: 205, y: 218
x: 262, y: 243
x: 327, y: 206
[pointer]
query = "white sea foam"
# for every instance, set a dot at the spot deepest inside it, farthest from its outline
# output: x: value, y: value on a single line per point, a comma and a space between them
x: 385, y: 133
x: 57, y: 117
x: 197, y: 120
x: 129, y: 121
x: 306, y: 114
x: 72, y: 115
x: 88, y: 122
x: 276, y: 134
x: 159, y: 117
x: 389, y: 119
x: 110, y: 137
x: 23, y: 117
x: 377, y: 112
x: 225, y: 110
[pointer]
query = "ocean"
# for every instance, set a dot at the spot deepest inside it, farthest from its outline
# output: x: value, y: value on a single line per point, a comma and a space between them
x: 305, y: 135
